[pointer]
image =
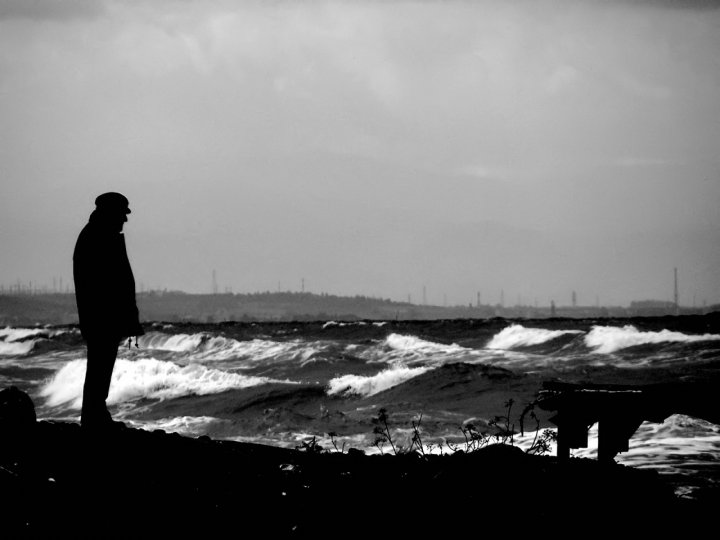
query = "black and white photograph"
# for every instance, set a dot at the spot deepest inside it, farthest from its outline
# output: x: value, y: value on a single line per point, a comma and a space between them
x: 359, y: 268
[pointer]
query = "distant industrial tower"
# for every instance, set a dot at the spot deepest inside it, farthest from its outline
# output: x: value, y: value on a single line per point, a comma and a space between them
x: 214, y: 282
x: 574, y: 299
x: 677, y: 305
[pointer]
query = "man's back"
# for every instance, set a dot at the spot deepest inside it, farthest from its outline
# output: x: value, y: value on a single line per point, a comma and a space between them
x: 104, y: 282
x: 105, y: 295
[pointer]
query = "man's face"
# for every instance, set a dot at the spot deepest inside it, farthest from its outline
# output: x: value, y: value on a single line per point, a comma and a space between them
x: 117, y: 219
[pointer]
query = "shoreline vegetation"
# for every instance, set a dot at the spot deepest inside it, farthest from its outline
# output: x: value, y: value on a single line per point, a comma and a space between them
x: 58, y: 478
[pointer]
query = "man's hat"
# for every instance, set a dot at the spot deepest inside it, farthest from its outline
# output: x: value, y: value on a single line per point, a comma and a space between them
x: 113, y: 201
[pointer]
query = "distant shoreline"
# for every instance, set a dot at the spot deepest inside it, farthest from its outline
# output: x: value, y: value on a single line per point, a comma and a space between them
x: 31, y: 308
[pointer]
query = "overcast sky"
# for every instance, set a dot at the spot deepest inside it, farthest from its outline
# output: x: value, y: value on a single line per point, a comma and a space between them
x: 535, y: 147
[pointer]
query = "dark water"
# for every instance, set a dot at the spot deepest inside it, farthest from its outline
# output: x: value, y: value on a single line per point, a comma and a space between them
x: 284, y: 383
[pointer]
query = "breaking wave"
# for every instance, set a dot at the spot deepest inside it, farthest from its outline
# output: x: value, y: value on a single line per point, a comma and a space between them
x: 22, y: 341
x: 16, y: 348
x: 371, y: 385
x: 205, y: 346
x: 517, y: 335
x: 600, y: 339
x: 609, y: 339
x: 146, y: 378
x: 175, y: 343
x: 15, y: 342
x: 399, y: 348
x: 17, y: 334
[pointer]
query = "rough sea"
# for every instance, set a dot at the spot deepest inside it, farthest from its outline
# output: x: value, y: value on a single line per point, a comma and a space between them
x: 287, y: 383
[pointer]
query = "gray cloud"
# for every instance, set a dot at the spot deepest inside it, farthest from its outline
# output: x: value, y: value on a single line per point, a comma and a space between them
x: 676, y: 4
x: 370, y: 148
x: 55, y: 10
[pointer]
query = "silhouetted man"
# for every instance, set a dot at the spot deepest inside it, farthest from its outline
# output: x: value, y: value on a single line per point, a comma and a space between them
x: 105, y: 295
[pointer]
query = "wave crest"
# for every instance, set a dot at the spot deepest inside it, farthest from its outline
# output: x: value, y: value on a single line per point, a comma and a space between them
x: 204, y: 346
x: 146, y: 378
x: 17, y: 348
x: 609, y: 339
x: 374, y: 384
x: 517, y: 335
x: 404, y: 349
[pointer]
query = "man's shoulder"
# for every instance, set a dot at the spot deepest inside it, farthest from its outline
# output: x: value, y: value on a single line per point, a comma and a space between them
x: 94, y: 239
x: 93, y: 230
x: 87, y: 234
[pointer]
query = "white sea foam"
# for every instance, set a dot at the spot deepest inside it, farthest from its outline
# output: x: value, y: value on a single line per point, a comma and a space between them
x: 609, y: 339
x: 10, y: 340
x: 13, y: 348
x: 517, y: 335
x: 173, y: 342
x: 335, y: 323
x: 9, y: 333
x: 259, y: 350
x: 14, y: 334
x: 146, y: 378
x: 368, y: 386
x: 404, y: 343
x: 15, y: 342
x: 679, y: 445
x: 202, y: 347
x: 403, y: 349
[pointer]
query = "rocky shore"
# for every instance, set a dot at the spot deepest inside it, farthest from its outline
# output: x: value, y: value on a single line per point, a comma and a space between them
x: 56, y: 478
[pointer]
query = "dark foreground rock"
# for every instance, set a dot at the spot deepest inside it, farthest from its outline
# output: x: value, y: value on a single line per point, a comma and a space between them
x: 56, y: 479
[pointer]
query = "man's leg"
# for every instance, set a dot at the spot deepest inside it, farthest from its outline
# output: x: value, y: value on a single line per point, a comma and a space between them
x: 101, y: 354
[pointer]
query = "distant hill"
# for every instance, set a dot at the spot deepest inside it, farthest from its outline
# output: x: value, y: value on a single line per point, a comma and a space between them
x: 30, y: 309
x: 174, y: 306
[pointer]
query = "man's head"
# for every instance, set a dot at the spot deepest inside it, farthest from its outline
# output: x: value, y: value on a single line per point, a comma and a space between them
x: 113, y: 207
